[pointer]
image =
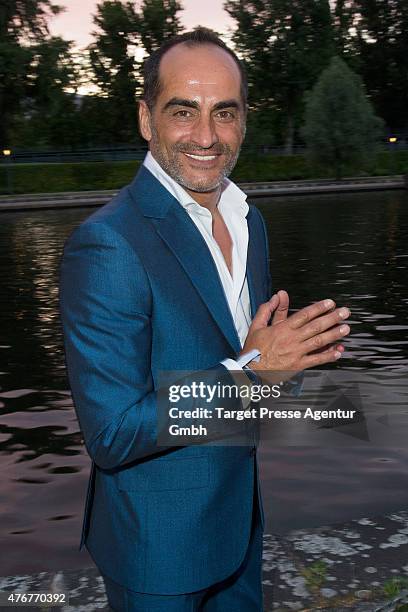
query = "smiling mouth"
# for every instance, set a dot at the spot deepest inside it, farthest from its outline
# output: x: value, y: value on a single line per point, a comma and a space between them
x: 201, y: 157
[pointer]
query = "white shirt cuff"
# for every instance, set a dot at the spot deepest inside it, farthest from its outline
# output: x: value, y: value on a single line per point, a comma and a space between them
x: 243, y: 360
x: 237, y: 366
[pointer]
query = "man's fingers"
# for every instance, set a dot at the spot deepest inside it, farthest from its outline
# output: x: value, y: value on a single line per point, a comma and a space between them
x: 324, y: 322
x: 318, y: 359
x: 264, y: 313
x: 307, y: 314
x: 281, y: 313
x: 331, y: 348
x: 323, y: 340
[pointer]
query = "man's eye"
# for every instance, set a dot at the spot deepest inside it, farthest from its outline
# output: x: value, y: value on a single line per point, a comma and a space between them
x: 183, y: 114
x: 225, y: 115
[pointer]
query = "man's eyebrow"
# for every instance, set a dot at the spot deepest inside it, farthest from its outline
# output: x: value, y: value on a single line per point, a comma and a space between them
x: 194, y: 104
x: 181, y: 102
x: 227, y: 104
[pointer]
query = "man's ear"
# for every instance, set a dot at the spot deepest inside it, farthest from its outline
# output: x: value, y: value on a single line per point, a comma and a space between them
x: 145, y: 121
x: 244, y: 127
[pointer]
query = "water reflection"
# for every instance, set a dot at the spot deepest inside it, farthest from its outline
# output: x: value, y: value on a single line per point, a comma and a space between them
x: 352, y: 248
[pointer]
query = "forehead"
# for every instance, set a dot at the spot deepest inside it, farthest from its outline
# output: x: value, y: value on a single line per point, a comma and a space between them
x: 199, y: 70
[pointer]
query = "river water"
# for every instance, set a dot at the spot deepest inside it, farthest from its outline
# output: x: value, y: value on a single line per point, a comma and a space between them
x: 352, y: 248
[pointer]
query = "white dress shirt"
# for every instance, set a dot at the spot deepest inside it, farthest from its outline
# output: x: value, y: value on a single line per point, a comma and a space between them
x: 233, y: 208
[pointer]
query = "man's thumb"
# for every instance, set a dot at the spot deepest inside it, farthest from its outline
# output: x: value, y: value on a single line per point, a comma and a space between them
x: 264, y: 313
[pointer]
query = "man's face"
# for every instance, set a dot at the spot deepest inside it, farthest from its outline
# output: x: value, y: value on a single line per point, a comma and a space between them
x: 197, y: 125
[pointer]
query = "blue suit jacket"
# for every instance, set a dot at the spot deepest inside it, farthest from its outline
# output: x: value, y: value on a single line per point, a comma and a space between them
x: 140, y: 293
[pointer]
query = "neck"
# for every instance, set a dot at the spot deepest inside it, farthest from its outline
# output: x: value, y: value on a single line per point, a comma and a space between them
x: 208, y: 199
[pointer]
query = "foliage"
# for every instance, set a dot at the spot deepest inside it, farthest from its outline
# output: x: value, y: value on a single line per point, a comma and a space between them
x: 158, y: 22
x: 20, y: 20
x: 391, y: 162
x: 271, y: 168
x: 40, y: 76
x: 262, y: 126
x: 382, y: 47
x: 394, y: 586
x: 343, y: 15
x: 114, y: 68
x: 48, y: 178
x: 53, y: 178
x: 50, y: 112
x: 26, y: 18
x: 14, y: 62
x: 315, y: 575
x: 122, y: 35
x: 340, y: 124
x: 285, y: 44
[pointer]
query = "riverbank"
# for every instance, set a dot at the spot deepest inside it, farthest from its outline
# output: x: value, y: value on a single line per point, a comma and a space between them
x: 359, y: 566
x: 72, y: 199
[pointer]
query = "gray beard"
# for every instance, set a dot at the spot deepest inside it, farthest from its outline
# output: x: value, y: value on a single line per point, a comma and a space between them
x: 174, y: 169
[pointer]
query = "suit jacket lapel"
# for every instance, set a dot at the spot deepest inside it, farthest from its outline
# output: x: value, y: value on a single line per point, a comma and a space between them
x: 186, y: 242
x: 254, y: 270
x: 181, y: 235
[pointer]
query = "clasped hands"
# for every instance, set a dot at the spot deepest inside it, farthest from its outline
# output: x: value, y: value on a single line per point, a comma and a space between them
x: 308, y: 338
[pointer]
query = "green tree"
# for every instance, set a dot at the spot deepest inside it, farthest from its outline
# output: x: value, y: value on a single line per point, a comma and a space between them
x: 123, y: 36
x: 340, y: 124
x: 343, y: 13
x: 21, y: 22
x: 285, y: 44
x: 113, y: 63
x: 159, y: 21
x: 382, y: 47
x: 50, y: 113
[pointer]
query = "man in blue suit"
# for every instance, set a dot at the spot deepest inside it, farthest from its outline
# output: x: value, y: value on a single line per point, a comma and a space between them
x: 173, y: 275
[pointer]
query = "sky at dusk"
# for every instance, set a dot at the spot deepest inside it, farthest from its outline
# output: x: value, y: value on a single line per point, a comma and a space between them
x: 76, y: 22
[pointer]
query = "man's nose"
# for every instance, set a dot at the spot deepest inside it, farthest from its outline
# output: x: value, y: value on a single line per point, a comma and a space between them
x: 204, y: 132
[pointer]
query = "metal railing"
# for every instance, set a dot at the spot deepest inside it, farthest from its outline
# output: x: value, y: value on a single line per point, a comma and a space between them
x: 78, y: 155
x: 123, y: 153
x: 137, y: 152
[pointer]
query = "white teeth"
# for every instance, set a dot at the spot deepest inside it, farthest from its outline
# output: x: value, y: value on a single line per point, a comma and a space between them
x: 201, y: 157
